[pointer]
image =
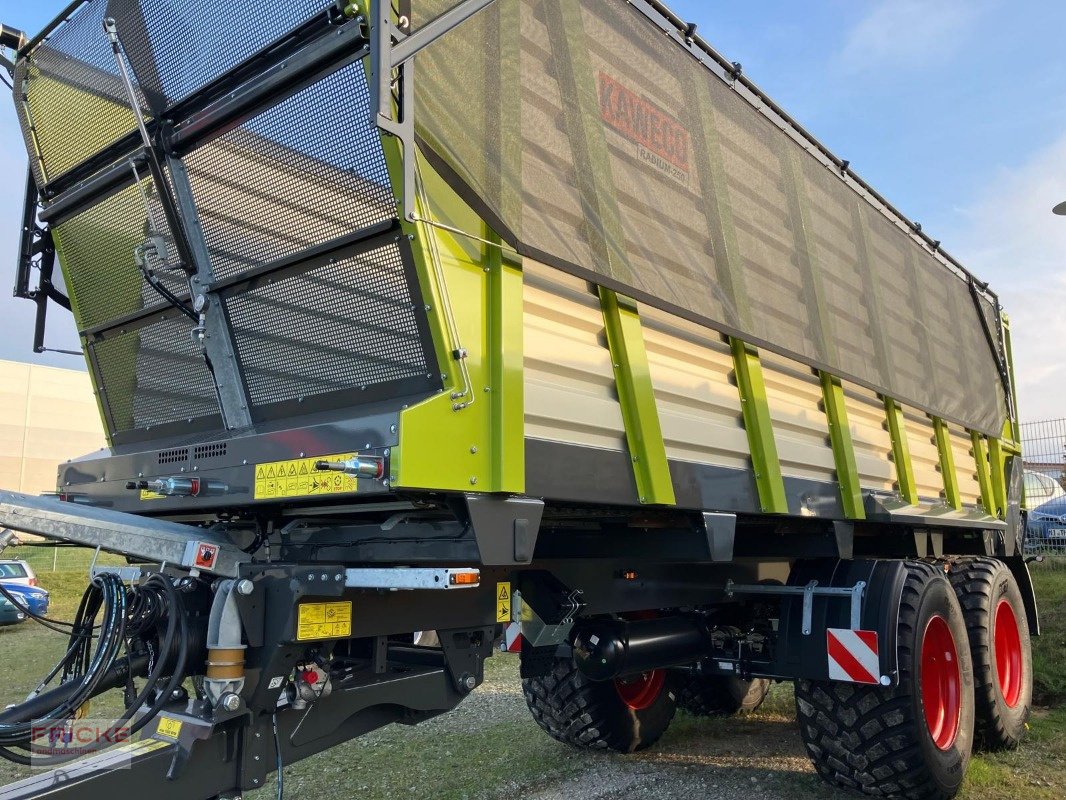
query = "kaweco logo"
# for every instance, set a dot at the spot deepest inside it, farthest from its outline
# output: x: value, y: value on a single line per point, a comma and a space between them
x: 661, y: 141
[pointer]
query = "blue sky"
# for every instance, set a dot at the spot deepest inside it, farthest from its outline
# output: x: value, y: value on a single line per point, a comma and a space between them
x: 954, y: 110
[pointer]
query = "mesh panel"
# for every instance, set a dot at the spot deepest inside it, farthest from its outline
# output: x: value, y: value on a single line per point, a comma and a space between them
x: 347, y: 325
x: 96, y: 249
x: 609, y: 150
x: 76, y: 103
x: 178, y: 46
x: 308, y: 170
x: 154, y: 375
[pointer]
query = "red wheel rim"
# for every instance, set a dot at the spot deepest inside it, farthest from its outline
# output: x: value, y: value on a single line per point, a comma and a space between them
x: 941, y: 683
x: 1008, y: 653
x: 640, y: 691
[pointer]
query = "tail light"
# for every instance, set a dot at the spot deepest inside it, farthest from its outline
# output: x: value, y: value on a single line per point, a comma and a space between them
x: 34, y: 582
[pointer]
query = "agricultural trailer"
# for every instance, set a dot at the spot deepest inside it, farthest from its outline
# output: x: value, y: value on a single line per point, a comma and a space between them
x: 532, y: 320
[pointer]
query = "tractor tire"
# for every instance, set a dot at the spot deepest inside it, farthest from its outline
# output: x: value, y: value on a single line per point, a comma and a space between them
x: 720, y: 695
x: 999, y: 645
x: 912, y: 740
x: 625, y: 716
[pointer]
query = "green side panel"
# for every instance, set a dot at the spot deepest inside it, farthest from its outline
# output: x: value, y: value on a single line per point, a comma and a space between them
x: 984, y: 473
x: 843, y: 448
x: 470, y: 436
x: 636, y: 396
x: 901, y: 452
x: 759, y: 427
x: 947, y: 463
x: 998, y: 464
x: 506, y: 388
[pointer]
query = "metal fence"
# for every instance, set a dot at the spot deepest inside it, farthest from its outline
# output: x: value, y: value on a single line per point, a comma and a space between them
x: 64, y: 558
x: 1044, y: 453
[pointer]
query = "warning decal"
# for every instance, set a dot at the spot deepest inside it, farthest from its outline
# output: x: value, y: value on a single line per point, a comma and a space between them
x: 299, y: 478
x: 324, y: 621
x: 169, y: 727
x: 503, y: 602
x: 147, y: 494
x: 852, y: 655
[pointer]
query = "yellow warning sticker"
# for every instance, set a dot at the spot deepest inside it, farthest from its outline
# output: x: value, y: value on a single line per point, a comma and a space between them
x: 299, y: 478
x: 503, y: 602
x: 148, y: 495
x: 324, y: 621
x: 169, y: 727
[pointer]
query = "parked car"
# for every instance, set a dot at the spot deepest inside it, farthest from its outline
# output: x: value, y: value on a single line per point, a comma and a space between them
x: 1039, y: 488
x: 33, y: 598
x: 1045, y: 528
x: 9, y: 614
x: 13, y: 571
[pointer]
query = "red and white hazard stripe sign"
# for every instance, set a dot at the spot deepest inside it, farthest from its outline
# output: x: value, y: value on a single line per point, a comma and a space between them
x: 512, y: 638
x: 853, y: 655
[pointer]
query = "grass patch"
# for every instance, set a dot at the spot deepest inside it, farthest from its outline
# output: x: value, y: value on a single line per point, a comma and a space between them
x: 1049, y: 649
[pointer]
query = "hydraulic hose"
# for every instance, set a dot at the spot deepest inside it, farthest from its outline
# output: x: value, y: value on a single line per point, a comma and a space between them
x: 148, y: 622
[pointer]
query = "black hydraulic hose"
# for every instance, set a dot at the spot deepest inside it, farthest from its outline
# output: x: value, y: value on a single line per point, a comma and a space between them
x: 128, y: 615
x: 38, y: 705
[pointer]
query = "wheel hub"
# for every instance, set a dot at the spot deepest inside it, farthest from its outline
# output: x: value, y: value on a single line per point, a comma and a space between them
x: 1008, y: 643
x: 941, y: 683
x: 640, y: 691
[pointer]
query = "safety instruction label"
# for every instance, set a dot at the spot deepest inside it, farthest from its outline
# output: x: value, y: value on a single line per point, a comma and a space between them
x: 324, y: 621
x: 150, y: 495
x: 299, y: 478
x: 503, y: 602
x: 169, y: 727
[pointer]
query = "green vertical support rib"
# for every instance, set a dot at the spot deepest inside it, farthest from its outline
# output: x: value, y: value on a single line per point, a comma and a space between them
x: 947, y: 463
x: 636, y: 396
x: 997, y: 462
x: 984, y: 474
x: 836, y: 413
x: 759, y: 427
x: 901, y: 452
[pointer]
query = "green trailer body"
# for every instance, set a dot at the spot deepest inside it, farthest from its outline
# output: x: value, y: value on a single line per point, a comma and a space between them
x: 546, y: 290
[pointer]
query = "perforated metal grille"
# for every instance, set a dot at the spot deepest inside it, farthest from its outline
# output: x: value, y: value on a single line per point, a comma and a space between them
x: 213, y: 450
x: 76, y: 103
x: 306, y: 171
x: 96, y: 249
x: 154, y: 376
x: 348, y: 325
x: 192, y: 42
x: 174, y: 456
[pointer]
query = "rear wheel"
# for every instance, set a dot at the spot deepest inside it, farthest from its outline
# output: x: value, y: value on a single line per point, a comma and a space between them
x: 999, y: 644
x: 912, y: 740
x: 626, y: 714
x: 720, y: 695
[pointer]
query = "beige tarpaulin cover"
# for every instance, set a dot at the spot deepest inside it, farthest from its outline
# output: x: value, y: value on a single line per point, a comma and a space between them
x: 604, y: 147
